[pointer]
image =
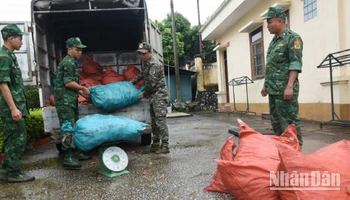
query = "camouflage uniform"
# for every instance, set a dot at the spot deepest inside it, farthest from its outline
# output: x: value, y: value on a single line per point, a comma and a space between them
x: 284, y: 55
x: 157, y: 93
x: 14, y: 131
x: 66, y: 100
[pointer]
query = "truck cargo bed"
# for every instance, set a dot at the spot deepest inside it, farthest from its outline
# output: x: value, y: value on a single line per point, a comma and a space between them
x: 138, y: 111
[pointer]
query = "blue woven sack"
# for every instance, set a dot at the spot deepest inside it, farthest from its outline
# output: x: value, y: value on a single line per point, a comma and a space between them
x: 114, y: 96
x: 94, y: 130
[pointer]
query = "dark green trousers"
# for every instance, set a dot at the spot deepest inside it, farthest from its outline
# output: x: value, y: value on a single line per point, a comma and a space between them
x: 70, y: 114
x: 158, y: 117
x: 283, y: 113
x: 15, y: 142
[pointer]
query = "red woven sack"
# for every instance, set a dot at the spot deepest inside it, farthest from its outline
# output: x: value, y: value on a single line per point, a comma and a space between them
x: 91, y: 67
x: 226, y: 153
x: 111, y: 76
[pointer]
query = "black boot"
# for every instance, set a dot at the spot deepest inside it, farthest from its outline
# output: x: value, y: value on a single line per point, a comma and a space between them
x: 81, y: 156
x: 70, y: 161
x: 20, y: 178
x: 3, y: 175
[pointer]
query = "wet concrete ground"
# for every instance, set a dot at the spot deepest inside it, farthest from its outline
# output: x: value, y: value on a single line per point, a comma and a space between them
x: 313, y: 136
x: 194, y: 141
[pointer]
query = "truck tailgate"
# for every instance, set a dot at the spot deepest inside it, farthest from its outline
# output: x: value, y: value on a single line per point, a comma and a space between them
x: 139, y: 111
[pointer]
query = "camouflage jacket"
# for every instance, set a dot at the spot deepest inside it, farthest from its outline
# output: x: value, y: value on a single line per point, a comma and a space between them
x: 66, y: 72
x: 153, y: 74
x: 284, y: 55
x: 11, y: 74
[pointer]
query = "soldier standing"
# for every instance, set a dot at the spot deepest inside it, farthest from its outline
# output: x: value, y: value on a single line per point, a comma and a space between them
x: 67, y: 89
x: 157, y: 93
x: 283, y: 64
x: 13, y: 106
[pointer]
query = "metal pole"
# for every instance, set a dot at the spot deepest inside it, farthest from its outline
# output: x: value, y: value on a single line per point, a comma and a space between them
x: 234, y: 96
x: 246, y: 90
x: 89, y: 2
x: 331, y: 76
x: 176, y: 59
x: 169, y: 87
x: 199, y: 33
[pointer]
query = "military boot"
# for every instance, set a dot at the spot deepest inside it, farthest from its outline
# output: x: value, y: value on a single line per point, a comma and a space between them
x: 20, y: 178
x: 155, y: 147
x: 70, y: 161
x: 81, y: 156
x: 3, y: 175
x: 164, y: 149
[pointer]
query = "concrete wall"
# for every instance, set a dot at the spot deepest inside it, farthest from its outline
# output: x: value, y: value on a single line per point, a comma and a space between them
x: 326, y: 33
x: 210, y: 74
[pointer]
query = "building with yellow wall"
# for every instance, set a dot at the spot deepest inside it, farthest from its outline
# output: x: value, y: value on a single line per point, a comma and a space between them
x: 242, y: 37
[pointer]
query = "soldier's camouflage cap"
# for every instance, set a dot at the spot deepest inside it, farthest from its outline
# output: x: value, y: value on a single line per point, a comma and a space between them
x: 276, y: 12
x: 74, y: 42
x: 144, y: 47
x: 11, y: 30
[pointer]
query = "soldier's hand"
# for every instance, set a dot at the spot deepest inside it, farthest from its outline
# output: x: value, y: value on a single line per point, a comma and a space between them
x: 87, y: 97
x: 263, y: 92
x: 16, y: 115
x: 86, y: 91
x: 288, y: 93
x: 141, y: 96
x: 81, y: 92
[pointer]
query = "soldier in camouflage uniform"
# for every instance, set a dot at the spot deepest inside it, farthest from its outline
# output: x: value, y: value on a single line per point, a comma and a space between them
x: 67, y: 89
x: 283, y: 64
x: 157, y: 93
x: 13, y: 106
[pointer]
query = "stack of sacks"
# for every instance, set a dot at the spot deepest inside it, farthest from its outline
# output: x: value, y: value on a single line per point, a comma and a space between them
x: 91, y: 75
x: 111, y: 76
x: 254, y: 172
x: 130, y: 73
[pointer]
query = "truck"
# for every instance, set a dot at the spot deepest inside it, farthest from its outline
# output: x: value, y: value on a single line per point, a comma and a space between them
x: 111, y: 29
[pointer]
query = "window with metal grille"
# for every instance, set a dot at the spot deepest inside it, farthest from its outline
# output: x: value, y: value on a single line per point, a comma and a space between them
x: 310, y: 9
x: 257, y: 53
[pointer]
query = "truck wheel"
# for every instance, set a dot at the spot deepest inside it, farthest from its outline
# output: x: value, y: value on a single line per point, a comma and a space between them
x: 59, y: 147
x: 146, y: 139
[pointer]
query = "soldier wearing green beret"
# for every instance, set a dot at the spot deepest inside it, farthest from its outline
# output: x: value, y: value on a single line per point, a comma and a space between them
x: 67, y: 89
x: 283, y: 64
x: 157, y: 94
x: 13, y: 106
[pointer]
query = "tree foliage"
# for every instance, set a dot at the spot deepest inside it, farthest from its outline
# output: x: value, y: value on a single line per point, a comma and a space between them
x: 32, y: 93
x: 187, y: 41
x: 209, y: 55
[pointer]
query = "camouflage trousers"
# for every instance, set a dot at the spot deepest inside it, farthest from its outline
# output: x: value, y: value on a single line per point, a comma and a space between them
x: 70, y: 114
x: 15, y: 142
x: 158, y: 117
x: 283, y: 113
